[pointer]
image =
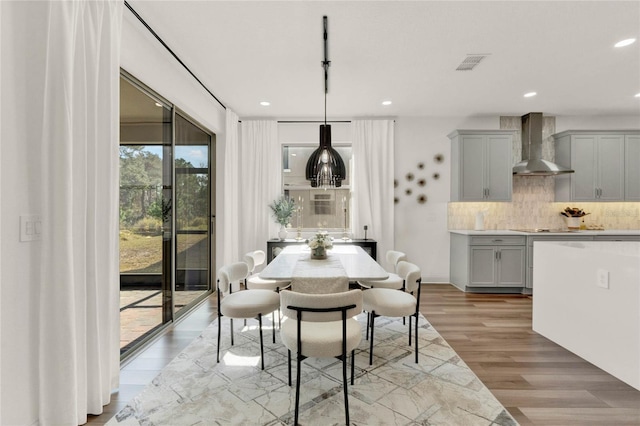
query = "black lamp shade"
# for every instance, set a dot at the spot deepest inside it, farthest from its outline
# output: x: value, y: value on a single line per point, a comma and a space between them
x: 325, y: 166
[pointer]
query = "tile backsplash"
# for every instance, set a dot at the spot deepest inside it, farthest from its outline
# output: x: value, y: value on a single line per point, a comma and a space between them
x: 532, y: 203
x: 536, y: 213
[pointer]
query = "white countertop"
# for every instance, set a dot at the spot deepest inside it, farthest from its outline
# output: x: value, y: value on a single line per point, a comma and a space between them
x: 509, y: 232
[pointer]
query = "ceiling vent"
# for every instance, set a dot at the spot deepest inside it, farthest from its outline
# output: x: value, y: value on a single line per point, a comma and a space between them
x: 470, y: 62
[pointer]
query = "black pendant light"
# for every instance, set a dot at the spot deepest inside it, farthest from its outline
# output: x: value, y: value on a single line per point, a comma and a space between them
x: 325, y: 167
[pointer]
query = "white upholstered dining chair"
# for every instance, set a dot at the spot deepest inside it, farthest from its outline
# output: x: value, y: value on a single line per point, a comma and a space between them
x: 253, y: 281
x: 242, y: 304
x: 321, y: 326
x: 393, y: 303
x: 394, y: 281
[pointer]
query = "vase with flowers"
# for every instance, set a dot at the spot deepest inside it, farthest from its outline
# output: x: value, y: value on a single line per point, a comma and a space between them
x: 319, y: 245
x: 283, y: 209
x: 572, y: 217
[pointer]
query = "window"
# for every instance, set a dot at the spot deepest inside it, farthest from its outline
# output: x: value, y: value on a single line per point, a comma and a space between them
x: 327, y: 209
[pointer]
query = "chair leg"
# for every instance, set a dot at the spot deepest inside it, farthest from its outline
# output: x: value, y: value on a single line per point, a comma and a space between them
x: 219, y: 332
x: 289, y: 363
x: 261, y: 344
x: 344, y: 381
x: 231, y: 327
x: 295, y: 422
x: 410, y: 330
x: 279, y: 313
x: 367, y: 334
x: 373, y: 318
x: 353, y: 364
x: 273, y: 325
x: 416, y: 338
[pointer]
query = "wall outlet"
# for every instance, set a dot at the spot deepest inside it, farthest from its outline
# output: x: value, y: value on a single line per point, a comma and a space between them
x: 602, y: 278
x: 30, y: 227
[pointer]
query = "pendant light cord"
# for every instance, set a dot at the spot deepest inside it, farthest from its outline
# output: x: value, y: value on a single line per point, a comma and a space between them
x: 325, y: 108
x: 325, y: 64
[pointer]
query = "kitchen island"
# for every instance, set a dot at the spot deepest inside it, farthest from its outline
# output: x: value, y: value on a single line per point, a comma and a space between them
x: 501, y: 261
x: 588, y: 301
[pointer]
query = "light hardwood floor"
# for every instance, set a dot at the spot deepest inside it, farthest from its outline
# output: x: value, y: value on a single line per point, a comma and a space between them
x: 536, y: 380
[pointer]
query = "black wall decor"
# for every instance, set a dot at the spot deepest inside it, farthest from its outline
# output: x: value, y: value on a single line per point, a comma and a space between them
x: 418, y: 180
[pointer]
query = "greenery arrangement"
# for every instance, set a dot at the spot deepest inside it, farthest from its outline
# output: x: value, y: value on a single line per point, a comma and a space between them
x: 283, y: 208
x: 321, y: 241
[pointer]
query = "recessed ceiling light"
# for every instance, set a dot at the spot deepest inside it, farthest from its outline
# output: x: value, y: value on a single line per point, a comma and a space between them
x: 637, y: 95
x: 386, y: 103
x: 265, y: 103
x: 158, y: 104
x: 624, y: 43
x: 530, y: 94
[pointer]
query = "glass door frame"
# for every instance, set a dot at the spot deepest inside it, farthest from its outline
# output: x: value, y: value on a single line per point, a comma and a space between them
x: 169, y: 266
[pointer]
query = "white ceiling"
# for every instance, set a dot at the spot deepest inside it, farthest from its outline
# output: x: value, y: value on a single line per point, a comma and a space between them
x: 248, y: 51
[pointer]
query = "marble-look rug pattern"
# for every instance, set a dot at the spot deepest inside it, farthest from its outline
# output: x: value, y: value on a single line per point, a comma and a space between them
x: 194, y: 390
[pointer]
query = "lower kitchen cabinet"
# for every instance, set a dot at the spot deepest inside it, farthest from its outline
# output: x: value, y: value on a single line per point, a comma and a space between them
x: 497, y: 266
x: 484, y: 262
x: 504, y: 263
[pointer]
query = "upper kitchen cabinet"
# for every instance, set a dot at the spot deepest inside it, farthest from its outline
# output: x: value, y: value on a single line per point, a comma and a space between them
x: 481, y: 163
x: 603, y: 171
x: 632, y: 167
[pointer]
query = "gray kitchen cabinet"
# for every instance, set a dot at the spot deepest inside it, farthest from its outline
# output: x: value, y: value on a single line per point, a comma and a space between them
x: 504, y: 263
x: 632, y: 167
x: 497, y: 261
x: 481, y: 165
x: 602, y: 171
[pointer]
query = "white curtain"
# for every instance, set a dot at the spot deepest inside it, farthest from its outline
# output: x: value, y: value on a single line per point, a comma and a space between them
x: 260, y: 183
x: 231, y: 208
x: 373, y: 174
x: 79, y: 296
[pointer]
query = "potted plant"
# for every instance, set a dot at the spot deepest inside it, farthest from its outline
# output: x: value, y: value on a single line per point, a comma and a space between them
x: 572, y: 217
x: 282, y: 209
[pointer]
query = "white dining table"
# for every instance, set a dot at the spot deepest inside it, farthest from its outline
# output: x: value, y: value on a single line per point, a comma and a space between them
x: 357, y: 264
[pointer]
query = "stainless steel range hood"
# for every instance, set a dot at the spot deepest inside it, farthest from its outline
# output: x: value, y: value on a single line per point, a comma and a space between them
x: 532, y: 163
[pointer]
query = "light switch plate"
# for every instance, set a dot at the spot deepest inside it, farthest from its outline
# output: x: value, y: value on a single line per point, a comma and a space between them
x: 602, y: 279
x: 30, y: 227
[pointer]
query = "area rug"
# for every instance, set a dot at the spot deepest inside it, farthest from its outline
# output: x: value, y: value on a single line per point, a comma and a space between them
x: 195, y: 390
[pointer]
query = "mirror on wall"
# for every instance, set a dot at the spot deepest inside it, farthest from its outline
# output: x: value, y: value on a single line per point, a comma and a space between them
x: 327, y: 209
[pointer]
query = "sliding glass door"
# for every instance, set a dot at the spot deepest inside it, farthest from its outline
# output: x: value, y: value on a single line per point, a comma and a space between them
x: 192, y: 209
x: 166, y: 213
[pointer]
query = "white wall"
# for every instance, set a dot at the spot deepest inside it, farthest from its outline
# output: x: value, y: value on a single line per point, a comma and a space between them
x: 421, y: 229
x: 597, y: 123
x: 309, y: 133
x: 147, y: 60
